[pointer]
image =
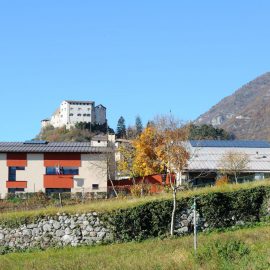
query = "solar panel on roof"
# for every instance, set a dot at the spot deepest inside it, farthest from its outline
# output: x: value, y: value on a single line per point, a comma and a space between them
x: 233, y: 144
x: 35, y: 142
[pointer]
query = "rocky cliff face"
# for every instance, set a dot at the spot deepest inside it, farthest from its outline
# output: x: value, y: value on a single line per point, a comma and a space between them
x: 246, y: 113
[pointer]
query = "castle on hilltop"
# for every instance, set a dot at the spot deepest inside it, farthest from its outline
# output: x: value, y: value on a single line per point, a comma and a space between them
x: 72, y: 112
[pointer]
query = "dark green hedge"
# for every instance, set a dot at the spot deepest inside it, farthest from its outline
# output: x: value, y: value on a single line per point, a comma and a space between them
x: 149, y: 220
x: 219, y: 209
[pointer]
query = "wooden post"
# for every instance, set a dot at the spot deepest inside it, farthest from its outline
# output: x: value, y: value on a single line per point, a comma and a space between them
x: 60, y: 200
x: 195, y: 226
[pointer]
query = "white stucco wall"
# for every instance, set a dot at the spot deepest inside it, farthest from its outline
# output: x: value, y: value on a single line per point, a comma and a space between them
x: 93, y: 171
x: 3, y: 175
x: 71, y: 112
x: 35, y: 171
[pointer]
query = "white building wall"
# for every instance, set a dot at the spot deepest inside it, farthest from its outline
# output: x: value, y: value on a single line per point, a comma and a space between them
x: 80, y: 113
x: 71, y: 112
x: 45, y: 123
x: 35, y: 171
x: 55, y: 120
x: 93, y: 170
x: 64, y: 115
x: 3, y: 175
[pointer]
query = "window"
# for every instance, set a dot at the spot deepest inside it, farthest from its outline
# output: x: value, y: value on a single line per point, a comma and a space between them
x: 88, y: 114
x: 84, y: 114
x: 95, y: 186
x: 79, y: 114
x: 50, y: 191
x: 12, y: 172
x: 15, y: 190
x: 71, y: 114
x: 63, y: 171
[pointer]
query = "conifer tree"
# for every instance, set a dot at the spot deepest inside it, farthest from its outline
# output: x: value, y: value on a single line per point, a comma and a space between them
x: 121, y: 131
x: 138, y: 125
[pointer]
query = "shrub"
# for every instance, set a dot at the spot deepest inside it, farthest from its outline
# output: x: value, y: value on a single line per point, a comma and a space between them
x: 231, y: 250
x: 220, y: 210
x: 140, y: 189
x: 148, y: 220
x: 222, y: 181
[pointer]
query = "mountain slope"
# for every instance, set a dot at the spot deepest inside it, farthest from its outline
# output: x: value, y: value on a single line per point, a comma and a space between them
x: 246, y: 113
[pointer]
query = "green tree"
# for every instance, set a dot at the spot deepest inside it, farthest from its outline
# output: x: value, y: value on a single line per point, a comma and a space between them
x: 138, y: 125
x: 208, y: 132
x: 121, y: 131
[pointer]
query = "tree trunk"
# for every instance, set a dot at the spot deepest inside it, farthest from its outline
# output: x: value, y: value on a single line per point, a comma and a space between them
x: 133, y: 181
x: 173, y: 211
x: 142, y: 185
x: 180, y: 178
x: 174, y: 190
x: 113, y: 187
x: 235, y: 177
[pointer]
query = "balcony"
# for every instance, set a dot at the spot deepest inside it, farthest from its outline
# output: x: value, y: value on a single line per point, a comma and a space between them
x: 58, y: 181
x: 16, y: 184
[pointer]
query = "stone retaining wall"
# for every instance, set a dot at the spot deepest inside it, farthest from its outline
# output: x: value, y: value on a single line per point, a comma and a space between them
x: 75, y: 230
x: 84, y: 229
x: 61, y: 230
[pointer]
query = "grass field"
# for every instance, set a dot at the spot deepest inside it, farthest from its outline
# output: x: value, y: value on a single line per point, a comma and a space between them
x: 109, y: 205
x: 217, y: 251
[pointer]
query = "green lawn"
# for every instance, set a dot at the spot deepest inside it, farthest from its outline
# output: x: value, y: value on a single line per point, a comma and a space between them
x: 109, y: 205
x: 156, y: 254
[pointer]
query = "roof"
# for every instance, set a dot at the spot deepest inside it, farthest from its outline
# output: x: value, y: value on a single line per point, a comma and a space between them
x: 230, y: 144
x: 79, y: 101
x: 50, y: 147
x: 209, y: 158
x: 100, y: 138
x: 123, y: 141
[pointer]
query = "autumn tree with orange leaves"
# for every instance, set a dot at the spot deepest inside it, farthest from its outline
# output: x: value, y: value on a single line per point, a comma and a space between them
x: 163, y: 144
x: 173, y: 153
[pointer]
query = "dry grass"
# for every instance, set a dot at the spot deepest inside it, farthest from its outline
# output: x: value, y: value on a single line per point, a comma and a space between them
x: 109, y: 205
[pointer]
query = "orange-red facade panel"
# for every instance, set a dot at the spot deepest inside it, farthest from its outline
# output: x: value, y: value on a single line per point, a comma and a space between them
x: 58, y: 181
x: 17, y: 160
x: 16, y: 184
x: 62, y: 159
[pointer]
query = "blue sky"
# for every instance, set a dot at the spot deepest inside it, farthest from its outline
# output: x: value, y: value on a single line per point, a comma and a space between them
x: 135, y: 57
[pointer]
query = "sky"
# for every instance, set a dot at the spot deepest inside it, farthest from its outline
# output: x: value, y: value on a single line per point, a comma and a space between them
x: 143, y: 57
